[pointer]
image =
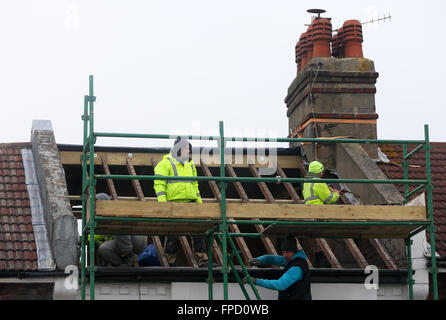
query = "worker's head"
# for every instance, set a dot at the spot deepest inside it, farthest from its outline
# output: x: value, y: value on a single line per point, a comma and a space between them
x: 102, y: 196
x: 182, y: 149
x: 289, y: 248
x: 316, y: 168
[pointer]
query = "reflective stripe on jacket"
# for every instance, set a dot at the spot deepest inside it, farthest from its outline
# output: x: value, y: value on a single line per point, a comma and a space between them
x: 175, y: 190
x: 319, y: 193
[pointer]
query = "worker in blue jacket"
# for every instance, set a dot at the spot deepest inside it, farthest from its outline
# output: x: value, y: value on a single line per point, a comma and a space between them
x: 294, y: 283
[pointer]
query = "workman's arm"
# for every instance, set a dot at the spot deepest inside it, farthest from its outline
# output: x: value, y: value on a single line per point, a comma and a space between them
x: 195, y: 183
x: 162, y: 169
x: 289, y: 278
x: 272, y: 260
x: 325, y: 194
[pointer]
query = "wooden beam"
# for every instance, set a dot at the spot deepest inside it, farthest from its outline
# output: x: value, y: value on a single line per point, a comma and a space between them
x: 383, y: 254
x: 142, y: 159
x: 238, y: 186
x: 323, y: 244
x: 357, y: 254
x: 153, y: 209
x: 299, y: 246
x: 262, y: 185
x: 110, y: 184
x: 160, y: 251
x: 207, y: 200
x: 188, y: 251
x: 136, y: 184
x: 217, y: 253
x: 212, y: 184
x: 288, y: 186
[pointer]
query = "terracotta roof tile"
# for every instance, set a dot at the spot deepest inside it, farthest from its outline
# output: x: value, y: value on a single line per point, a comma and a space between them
x: 394, y: 170
x: 17, y: 244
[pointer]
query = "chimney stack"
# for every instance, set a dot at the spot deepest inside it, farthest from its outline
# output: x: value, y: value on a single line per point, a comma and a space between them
x: 333, y: 94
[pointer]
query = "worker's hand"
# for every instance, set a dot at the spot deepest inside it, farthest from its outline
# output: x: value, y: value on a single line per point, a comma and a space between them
x: 245, y: 280
x: 254, y: 262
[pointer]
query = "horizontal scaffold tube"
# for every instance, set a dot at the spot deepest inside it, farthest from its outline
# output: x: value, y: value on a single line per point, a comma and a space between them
x: 235, y: 139
x: 265, y: 222
x: 257, y: 180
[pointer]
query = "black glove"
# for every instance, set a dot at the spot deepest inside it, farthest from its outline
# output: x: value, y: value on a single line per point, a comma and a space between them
x: 254, y: 262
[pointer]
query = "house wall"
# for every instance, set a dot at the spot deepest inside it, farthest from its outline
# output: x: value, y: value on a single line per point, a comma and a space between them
x: 199, y: 291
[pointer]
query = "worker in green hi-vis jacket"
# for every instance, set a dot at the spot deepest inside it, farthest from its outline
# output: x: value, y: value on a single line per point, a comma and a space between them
x: 318, y: 193
x: 179, y: 163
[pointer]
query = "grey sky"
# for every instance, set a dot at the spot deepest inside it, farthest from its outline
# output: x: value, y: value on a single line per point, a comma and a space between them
x: 180, y: 66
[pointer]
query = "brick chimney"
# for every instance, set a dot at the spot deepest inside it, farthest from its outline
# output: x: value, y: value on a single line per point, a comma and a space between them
x: 333, y: 96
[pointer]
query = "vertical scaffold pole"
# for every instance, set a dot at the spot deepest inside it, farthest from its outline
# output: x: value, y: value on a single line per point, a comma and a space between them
x: 84, y: 199
x: 92, y: 222
x: 406, y: 173
x: 224, y: 226
x: 430, y: 210
x: 210, y: 273
x: 409, y: 243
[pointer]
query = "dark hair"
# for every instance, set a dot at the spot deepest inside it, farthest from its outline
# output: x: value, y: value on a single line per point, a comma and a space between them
x: 290, y: 244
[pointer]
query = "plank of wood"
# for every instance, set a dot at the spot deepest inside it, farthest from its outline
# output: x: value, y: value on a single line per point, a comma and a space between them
x: 299, y: 246
x: 160, y: 251
x: 212, y: 184
x: 136, y: 184
x: 110, y: 184
x: 357, y: 254
x: 218, y: 256
x: 142, y: 159
x: 238, y: 186
x: 188, y: 252
x: 384, y: 254
x: 262, y: 185
x: 288, y: 186
x: 323, y: 244
x: 275, y: 211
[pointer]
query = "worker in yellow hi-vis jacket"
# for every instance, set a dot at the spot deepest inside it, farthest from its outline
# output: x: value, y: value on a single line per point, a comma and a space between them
x: 318, y: 193
x: 179, y: 163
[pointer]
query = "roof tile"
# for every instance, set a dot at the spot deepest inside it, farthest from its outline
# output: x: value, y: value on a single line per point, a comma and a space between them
x: 394, y: 170
x: 18, y: 250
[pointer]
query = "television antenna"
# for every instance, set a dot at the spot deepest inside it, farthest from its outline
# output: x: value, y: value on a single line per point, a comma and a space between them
x: 378, y: 20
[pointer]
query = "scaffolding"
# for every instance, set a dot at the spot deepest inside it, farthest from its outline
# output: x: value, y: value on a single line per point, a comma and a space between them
x: 218, y: 228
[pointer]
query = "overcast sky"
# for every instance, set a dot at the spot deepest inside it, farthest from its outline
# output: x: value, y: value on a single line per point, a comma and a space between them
x: 181, y: 66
